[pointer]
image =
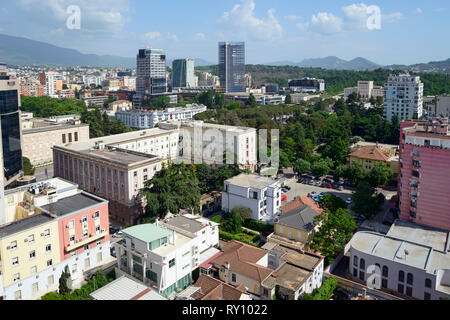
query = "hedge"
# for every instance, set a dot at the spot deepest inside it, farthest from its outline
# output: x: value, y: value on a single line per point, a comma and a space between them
x: 223, y: 235
x: 258, y: 225
x: 217, y: 219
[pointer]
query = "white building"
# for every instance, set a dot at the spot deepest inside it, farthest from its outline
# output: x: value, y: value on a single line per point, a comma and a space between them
x: 403, y: 97
x: 49, y: 79
x: 164, y: 254
x: 145, y: 119
x: 366, y: 90
x: 260, y: 194
x: 410, y: 261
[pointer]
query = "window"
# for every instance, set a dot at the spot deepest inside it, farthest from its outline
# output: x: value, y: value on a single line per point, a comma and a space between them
x: 32, y: 254
x: 427, y: 283
x: 16, y: 277
x: 171, y: 263
x: 48, y: 248
x: 97, y: 214
x: 87, y: 263
x: 385, y: 271
x: 361, y: 276
x: 409, y: 279
x: 233, y: 277
x: 13, y: 245
x: 49, y: 263
x: 401, y: 276
x: 85, y: 233
x: 15, y: 261
x: 63, y: 138
x: 51, y: 280
x: 84, y: 219
x: 46, y: 233
x: 99, y: 257
x: 400, y: 288
x: 30, y: 239
x: 409, y: 291
x: 35, y: 287
x: 18, y: 295
x: 72, y: 238
x: 383, y: 283
x: 362, y: 263
x: 33, y: 269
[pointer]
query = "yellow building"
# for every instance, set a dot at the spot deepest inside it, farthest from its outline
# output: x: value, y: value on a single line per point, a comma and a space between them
x: 369, y: 154
x: 29, y: 247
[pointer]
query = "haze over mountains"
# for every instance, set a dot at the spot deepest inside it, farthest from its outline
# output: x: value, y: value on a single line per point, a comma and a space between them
x: 23, y: 51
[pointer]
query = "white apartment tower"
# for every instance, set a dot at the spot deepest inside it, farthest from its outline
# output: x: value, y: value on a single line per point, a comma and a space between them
x: 403, y: 96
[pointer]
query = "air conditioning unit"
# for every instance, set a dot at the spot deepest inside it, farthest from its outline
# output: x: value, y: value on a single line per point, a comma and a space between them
x: 19, y: 285
x: 42, y: 234
x: 8, y: 247
x: 25, y: 240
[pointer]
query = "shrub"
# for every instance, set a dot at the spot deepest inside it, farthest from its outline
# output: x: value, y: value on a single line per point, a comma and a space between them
x: 217, y: 219
x: 258, y: 225
x: 243, y: 212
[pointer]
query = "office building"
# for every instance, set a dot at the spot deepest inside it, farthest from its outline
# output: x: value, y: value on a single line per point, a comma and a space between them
x: 183, y: 73
x: 164, y: 255
x: 232, y: 66
x: 11, y: 130
x: 146, y: 119
x: 33, y: 90
x: 403, y: 97
x: 260, y: 194
x: 366, y: 90
x: 424, y: 172
x: 50, y: 225
x: 150, y: 74
x: 411, y: 261
x: 307, y: 85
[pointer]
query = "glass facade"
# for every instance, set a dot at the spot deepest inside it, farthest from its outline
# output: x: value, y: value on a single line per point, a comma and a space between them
x: 232, y: 66
x: 10, y: 126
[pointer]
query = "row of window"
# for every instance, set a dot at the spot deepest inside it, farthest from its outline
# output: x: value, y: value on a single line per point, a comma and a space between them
x: 30, y: 239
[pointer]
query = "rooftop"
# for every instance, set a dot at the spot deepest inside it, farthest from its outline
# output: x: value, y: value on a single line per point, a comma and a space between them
x: 24, y: 224
x: 205, y: 125
x: 185, y: 223
x: 214, y: 289
x: 81, y: 201
x: 147, y: 232
x: 369, y: 152
x: 52, y: 126
x: 301, y: 218
x: 409, y: 244
x: 125, y: 288
x: 251, y: 181
x: 299, y: 202
x: 287, y: 276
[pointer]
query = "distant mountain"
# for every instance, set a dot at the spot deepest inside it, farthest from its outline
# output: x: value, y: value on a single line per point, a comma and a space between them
x: 197, y: 62
x: 432, y: 67
x: 331, y: 62
x: 22, y: 51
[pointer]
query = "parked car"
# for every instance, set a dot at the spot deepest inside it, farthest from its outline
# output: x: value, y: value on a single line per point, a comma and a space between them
x: 316, y: 198
x: 340, y: 188
x: 287, y: 187
x: 322, y: 194
x: 311, y: 182
x: 348, y: 201
x: 313, y: 193
x: 283, y: 197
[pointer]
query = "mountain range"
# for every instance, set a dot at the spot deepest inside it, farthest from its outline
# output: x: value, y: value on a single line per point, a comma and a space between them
x: 23, y: 51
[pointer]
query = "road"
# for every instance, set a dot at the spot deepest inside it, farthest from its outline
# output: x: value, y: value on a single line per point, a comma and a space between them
x: 40, y: 173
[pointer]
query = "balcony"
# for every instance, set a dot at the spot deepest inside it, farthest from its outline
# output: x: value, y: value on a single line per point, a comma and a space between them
x: 81, y: 242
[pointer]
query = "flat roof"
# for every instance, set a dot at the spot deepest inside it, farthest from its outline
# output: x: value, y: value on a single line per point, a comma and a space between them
x: 205, y: 125
x: 24, y: 224
x: 185, y: 223
x: 406, y: 245
x: 74, y: 203
x: 288, y: 276
x: 52, y: 127
x: 125, y: 288
x: 147, y: 232
x: 252, y: 181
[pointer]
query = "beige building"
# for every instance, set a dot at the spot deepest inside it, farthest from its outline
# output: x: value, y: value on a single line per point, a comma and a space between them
x: 366, y: 90
x: 40, y: 136
x: 120, y: 105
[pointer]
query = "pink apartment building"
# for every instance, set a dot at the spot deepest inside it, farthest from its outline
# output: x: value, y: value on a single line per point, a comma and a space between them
x: 423, y: 188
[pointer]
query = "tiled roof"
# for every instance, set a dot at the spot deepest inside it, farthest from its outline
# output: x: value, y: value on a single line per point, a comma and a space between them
x: 299, y: 202
x: 214, y: 289
x: 243, y: 259
x: 370, y: 153
x: 301, y: 218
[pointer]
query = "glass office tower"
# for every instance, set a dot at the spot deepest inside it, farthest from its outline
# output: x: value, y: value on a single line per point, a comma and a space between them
x: 232, y: 66
x: 183, y: 73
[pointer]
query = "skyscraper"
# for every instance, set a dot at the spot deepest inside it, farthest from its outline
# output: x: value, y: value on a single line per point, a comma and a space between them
x: 232, y: 66
x: 151, y: 73
x: 403, y: 97
x: 183, y: 73
x: 11, y: 133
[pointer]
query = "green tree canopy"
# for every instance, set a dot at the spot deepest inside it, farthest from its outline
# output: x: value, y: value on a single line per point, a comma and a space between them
x: 28, y: 168
x: 364, y: 200
x: 302, y: 166
x: 380, y: 174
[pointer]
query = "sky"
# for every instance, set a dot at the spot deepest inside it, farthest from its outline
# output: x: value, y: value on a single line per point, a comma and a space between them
x: 408, y: 31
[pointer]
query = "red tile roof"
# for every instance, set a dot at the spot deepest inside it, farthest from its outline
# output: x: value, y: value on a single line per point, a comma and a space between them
x: 214, y: 289
x: 369, y: 153
x: 299, y: 202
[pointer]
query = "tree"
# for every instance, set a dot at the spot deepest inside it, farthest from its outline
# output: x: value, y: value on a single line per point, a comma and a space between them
x: 325, y: 292
x: 233, y: 222
x: 380, y: 174
x: 28, y: 168
x: 206, y: 98
x: 302, y: 166
x: 355, y: 173
x: 288, y: 99
x: 251, y: 101
x: 335, y: 231
x: 106, y: 124
x: 364, y: 202
x: 219, y: 100
x: 63, y: 287
x: 341, y: 171
x: 161, y: 102
x: 332, y: 202
x: 243, y: 212
x: 320, y: 168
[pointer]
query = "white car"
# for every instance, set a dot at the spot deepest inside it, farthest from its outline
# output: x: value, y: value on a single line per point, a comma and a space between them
x: 349, y: 201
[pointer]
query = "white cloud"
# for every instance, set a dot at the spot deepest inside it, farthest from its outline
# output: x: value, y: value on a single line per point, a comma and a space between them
x: 241, y: 20
x: 419, y: 10
x: 152, y: 36
x: 105, y: 16
x: 354, y: 19
x: 199, y: 36
x: 171, y: 36
x: 292, y: 17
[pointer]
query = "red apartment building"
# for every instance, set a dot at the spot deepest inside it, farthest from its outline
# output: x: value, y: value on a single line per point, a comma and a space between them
x: 423, y: 187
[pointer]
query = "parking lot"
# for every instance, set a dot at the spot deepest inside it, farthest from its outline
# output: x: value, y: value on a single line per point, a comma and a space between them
x: 302, y: 190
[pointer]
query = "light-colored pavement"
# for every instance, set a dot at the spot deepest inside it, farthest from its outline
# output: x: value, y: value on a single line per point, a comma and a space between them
x: 41, y: 175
